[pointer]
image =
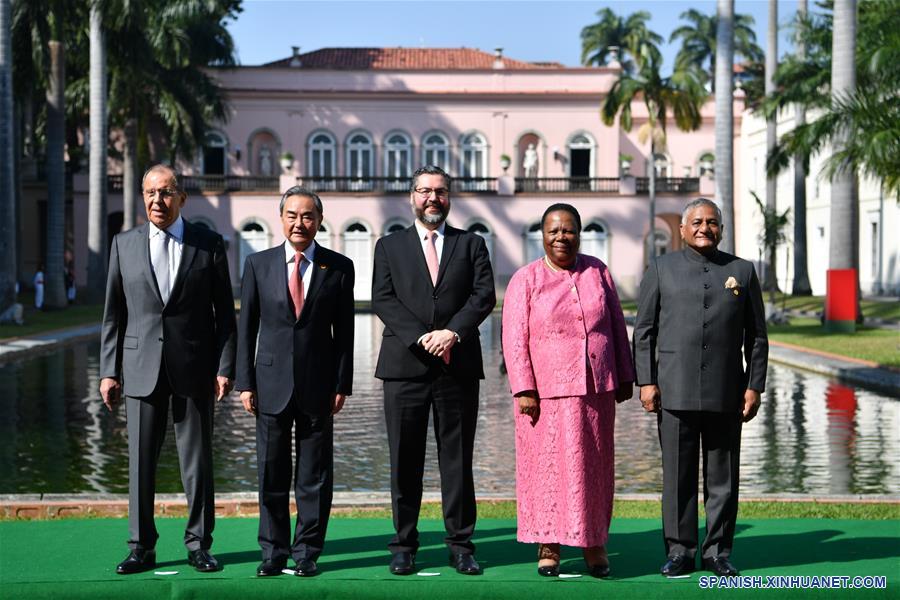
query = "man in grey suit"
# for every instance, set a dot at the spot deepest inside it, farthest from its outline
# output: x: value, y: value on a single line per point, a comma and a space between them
x: 701, y: 351
x: 168, y: 336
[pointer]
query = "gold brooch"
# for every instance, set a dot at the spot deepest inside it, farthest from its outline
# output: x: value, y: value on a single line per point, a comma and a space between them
x: 323, y: 267
x: 732, y: 284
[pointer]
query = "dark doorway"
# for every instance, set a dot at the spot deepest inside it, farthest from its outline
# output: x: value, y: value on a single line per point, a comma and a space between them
x: 213, y: 160
x: 580, y: 168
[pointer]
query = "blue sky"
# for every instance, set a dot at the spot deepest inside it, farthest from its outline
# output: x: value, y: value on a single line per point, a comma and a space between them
x: 527, y: 30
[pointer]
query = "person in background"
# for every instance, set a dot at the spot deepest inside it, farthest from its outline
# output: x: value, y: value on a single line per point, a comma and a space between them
x: 569, y: 363
x: 39, y: 287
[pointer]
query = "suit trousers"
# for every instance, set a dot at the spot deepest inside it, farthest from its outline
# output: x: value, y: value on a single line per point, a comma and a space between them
x: 313, y: 482
x: 454, y: 404
x: 193, y: 422
x: 680, y: 434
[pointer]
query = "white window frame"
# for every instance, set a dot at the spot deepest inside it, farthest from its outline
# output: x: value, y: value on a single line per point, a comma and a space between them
x: 317, y: 165
x: 473, y: 160
x: 436, y: 153
x: 401, y: 153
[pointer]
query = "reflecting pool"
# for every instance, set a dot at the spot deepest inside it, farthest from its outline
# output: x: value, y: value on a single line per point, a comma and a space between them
x: 812, y: 435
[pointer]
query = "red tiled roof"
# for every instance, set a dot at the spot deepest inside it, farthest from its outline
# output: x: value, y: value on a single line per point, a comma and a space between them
x: 439, y: 59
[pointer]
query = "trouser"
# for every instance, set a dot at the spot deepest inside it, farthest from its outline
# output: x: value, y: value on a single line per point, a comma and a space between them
x: 681, y: 435
x: 454, y: 405
x: 193, y: 423
x: 313, y: 482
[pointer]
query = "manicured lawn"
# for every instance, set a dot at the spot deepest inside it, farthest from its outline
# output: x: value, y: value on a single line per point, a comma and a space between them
x: 39, y: 321
x: 878, y: 345
x: 870, y: 308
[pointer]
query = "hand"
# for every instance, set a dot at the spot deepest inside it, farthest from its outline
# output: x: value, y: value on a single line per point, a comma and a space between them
x: 625, y: 391
x: 223, y: 387
x: 439, y: 342
x: 751, y: 404
x: 650, y: 398
x: 248, y: 399
x: 111, y: 392
x: 530, y: 404
x: 338, y: 403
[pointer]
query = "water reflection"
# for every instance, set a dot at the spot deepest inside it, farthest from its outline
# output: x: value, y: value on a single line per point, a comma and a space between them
x: 812, y: 435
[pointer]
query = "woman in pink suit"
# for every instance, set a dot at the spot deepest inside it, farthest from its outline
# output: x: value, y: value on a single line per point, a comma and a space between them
x: 569, y: 362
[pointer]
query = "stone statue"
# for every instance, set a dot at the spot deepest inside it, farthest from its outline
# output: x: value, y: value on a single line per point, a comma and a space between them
x: 530, y: 163
x: 265, y: 161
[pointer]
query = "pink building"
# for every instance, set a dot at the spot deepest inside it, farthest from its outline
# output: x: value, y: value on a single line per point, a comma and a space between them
x: 353, y: 123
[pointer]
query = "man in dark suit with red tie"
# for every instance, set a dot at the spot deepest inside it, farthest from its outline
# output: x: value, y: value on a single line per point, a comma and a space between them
x: 295, y: 369
x: 432, y: 286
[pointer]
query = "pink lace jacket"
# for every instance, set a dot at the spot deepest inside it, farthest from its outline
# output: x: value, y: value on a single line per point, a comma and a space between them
x: 555, y: 322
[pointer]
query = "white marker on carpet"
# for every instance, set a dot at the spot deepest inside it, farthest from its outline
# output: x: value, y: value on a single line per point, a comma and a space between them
x: 165, y: 572
x: 425, y: 574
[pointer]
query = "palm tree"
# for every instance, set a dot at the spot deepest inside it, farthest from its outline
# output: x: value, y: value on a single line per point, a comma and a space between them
x: 681, y: 94
x: 699, y: 41
x: 801, y: 286
x: 96, y: 267
x: 844, y: 240
x: 54, y: 278
x: 724, y: 62
x: 770, y: 281
x: 612, y: 31
x: 8, y: 232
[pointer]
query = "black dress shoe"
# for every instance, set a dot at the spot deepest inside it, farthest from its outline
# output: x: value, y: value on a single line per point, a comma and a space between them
x: 203, y: 561
x: 306, y: 567
x: 465, y: 564
x: 549, y: 571
x: 137, y: 561
x: 598, y: 571
x: 678, y: 565
x: 271, y: 567
x: 403, y: 563
x: 721, y: 566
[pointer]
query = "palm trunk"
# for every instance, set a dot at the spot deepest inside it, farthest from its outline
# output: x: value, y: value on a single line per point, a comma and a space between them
x: 129, y: 174
x: 801, y: 286
x: 54, y: 281
x: 725, y: 121
x: 8, y: 231
x: 97, y: 195
x: 842, y: 251
x: 771, y: 277
x: 652, y: 175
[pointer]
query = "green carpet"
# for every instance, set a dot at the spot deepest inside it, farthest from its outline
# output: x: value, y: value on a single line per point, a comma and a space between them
x: 76, y: 559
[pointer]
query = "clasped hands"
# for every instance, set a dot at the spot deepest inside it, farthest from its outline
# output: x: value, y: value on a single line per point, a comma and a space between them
x: 438, y: 343
x: 111, y: 390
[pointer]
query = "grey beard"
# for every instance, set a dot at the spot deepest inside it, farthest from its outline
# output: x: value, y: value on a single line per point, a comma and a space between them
x: 432, y: 219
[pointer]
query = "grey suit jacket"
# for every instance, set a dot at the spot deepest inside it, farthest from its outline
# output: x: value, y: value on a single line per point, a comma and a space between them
x: 710, y: 339
x: 195, y: 330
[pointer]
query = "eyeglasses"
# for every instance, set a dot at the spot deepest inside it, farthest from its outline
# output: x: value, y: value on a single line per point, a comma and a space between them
x: 439, y: 192
x: 161, y: 192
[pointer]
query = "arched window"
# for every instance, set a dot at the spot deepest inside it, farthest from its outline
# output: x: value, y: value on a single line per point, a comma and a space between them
x: 436, y: 150
x: 481, y: 229
x: 663, y: 165
x: 397, y: 160
x: 662, y: 239
x: 360, y: 160
x: 204, y: 222
x: 706, y: 165
x: 594, y: 238
x: 320, y: 163
x: 214, y: 158
x: 534, y: 242
x: 473, y: 161
x: 581, y: 160
x: 358, y: 248
x: 323, y: 237
x: 395, y: 225
x: 252, y: 237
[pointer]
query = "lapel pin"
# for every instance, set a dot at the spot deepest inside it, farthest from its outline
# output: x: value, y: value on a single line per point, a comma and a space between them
x: 323, y: 267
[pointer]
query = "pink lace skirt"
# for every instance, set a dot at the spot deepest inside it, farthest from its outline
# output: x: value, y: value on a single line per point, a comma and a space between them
x: 565, y: 469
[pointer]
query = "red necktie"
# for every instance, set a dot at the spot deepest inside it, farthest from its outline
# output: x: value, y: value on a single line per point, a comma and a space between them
x: 431, y: 257
x: 295, y: 284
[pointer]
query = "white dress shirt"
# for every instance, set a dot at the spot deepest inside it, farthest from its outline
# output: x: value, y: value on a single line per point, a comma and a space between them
x: 305, y: 271
x: 438, y: 242
x: 176, y: 245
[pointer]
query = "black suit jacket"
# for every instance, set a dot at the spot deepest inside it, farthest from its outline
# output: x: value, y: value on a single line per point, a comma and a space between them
x: 404, y: 298
x: 312, y: 355
x: 194, y: 330
x: 703, y: 331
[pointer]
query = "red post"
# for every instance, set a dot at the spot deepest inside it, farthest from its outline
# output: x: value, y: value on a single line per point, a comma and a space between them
x: 840, y: 300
